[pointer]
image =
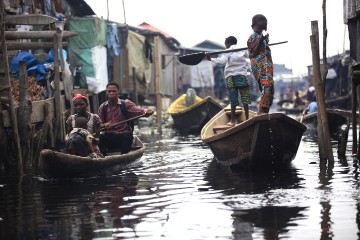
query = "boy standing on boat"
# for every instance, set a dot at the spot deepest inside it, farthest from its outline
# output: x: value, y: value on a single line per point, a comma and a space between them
x: 261, y: 62
x: 118, y: 137
x: 236, y: 76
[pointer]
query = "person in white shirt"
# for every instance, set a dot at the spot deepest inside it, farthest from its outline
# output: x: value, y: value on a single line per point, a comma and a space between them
x: 236, y: 66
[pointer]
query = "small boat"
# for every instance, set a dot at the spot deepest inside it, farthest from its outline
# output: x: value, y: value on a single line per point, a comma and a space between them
x: 192, y: 117
x: 289, y: 108
x: 267, y: 140
x: 54, y: 164
x: 336, y: 119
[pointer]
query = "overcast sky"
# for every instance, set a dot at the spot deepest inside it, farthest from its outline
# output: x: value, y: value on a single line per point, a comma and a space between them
x: 193, y: 21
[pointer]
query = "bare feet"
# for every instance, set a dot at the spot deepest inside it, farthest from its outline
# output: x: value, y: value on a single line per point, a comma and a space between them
x: 231, y: 124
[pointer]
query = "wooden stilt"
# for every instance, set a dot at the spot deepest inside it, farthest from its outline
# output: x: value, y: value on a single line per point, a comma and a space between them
x: 354, y: 106
x: 11, y: 97
x: 135, y: 87
x: 316, y: 74
x: 320, y: 99
x: 158, y: 87
x: 59, y: 130
x: 24, y: 114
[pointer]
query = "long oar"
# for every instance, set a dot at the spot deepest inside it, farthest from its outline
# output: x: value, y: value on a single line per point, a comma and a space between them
x: 196, y: 58
x: 127, y: 120
x: 302, y: 115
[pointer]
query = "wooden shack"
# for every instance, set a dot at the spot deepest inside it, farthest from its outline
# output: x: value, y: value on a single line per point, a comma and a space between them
x: 352, y: 19
x: 28, y: 125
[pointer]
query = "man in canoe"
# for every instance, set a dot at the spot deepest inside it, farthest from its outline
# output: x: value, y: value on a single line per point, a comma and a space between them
x: 236, y: 76
x: 261, y: 61
x: 118, y: 137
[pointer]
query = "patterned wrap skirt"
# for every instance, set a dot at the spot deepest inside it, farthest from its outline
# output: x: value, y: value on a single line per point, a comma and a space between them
x: 236, y: 84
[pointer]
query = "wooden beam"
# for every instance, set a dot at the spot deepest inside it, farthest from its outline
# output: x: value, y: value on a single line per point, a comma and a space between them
x: 13, y: 35
x: 37, y: 114
x: 30, y: 45
x: 29, y: 19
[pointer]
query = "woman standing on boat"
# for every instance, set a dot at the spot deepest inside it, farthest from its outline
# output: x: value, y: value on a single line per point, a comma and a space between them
x: 236, y: 76
x: 80, y: 103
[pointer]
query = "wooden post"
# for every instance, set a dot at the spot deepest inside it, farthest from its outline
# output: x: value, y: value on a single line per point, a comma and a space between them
x: 320, y: 99
x: 325, y: 68
x: 58, y: 112
x: 354, y: 85
x: 358, y: 99
x: 157, y: 81
x: 24, y: 115
x: 136, y: 100
x: 125, y: 63
x: 4, y: 160
x: 316, y: 74
x: 44, y: 133
x: 8, y: 88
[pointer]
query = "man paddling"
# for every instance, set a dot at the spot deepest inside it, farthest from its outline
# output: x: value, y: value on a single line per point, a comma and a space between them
x: 118, y: 137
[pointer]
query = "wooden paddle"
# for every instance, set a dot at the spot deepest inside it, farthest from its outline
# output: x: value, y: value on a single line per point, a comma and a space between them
x: 127, y: 120
x: 196, y: 58
x: 302, y: 115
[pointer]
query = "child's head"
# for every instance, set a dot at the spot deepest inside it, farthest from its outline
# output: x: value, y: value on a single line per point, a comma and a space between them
x: 81, y: 122
x: 259, y: 23
x: 231, y: 40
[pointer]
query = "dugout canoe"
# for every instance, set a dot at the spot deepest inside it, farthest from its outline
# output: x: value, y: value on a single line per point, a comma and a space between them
x: 336, y: 119
x: 193, y: 117
x: 262, y: 141
x: 54, y: 164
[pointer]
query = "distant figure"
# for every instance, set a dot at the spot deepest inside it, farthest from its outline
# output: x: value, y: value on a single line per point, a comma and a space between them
x: 298, y: 100
x: 235, y: 77
x: 312, y: 107
x: 261, y: 62
x: 310, y: 95
x: 180, y: 85
x: 288, y: 93
x: 190, y: 98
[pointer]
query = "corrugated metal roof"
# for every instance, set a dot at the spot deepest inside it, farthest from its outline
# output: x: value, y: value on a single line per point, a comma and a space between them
x: 147, y: 26
x: 147, y: 29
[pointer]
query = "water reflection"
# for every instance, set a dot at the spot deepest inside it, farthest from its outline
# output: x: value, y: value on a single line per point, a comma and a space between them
x: 246, y: 181
x: 179, y: 192
x: 274, y: 220
x: 256, y: 184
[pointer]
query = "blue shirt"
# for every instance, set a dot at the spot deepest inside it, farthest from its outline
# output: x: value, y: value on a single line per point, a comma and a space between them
x: 312, y: 107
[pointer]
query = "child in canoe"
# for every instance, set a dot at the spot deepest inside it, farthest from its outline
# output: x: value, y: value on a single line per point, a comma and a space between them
x: 81, y: 142
x: 261, y: 62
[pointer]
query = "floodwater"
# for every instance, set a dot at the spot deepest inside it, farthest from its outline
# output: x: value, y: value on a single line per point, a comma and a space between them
x: 177, y: 191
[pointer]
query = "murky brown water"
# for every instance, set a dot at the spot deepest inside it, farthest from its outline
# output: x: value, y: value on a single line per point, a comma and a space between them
x: 178, y: 192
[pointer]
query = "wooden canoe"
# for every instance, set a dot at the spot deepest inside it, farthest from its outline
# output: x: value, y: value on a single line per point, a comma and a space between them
x: 192, y: 118
x: 261, y: 141
x: 336, y: 118
x: 289, y: 108
x: 53, y: 164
